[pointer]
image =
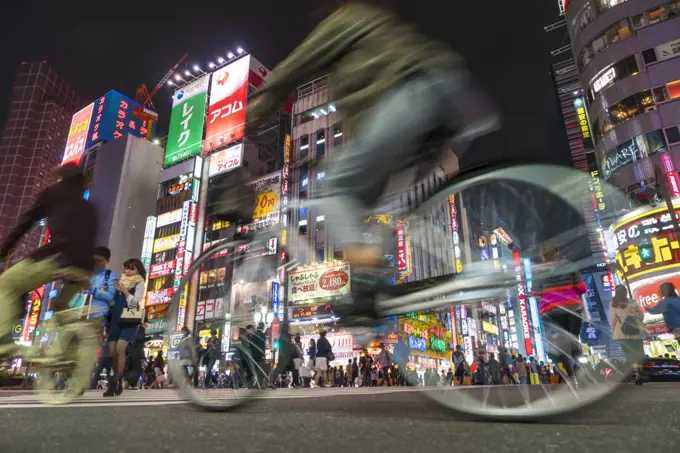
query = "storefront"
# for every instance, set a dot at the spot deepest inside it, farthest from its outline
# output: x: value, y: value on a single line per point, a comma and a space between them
x: 428, y: 339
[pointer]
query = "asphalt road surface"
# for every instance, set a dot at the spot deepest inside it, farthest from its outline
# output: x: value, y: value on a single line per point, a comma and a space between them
x: 639, y: 419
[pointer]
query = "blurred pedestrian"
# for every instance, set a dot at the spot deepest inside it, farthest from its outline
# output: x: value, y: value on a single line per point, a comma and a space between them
x: 384, y: 361
x: 669, y: 307
x: 323, y: 351
x: 561, y: 288
x: 212, y: 355
x: 625, y: 318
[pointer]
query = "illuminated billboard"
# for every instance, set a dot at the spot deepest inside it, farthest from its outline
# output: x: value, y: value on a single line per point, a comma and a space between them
x: 112, y: 119
x: 226, y: 160
x: 186, y: 122
x: 77, y: 135
x: 267, y: 210
x: 227, y: 112
x: 652, y: 228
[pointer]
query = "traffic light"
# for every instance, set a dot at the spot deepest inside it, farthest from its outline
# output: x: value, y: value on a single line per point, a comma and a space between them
x: 646, y: 253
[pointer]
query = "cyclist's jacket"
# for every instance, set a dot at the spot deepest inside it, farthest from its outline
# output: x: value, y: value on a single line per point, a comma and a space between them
x: 366, y: 50
x: 71, y: 221
x: 558, y: 286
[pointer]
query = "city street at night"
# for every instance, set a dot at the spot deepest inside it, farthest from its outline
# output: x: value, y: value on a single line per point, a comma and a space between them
x: 638, y: 419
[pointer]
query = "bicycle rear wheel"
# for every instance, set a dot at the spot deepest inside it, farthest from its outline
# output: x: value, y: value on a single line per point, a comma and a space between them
x: 523, y: 200
x: 66, y: 369
x: 250, y: 373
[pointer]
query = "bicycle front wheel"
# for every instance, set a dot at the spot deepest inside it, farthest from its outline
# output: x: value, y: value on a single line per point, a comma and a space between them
x: 249, y: 371
x: 531, y: 210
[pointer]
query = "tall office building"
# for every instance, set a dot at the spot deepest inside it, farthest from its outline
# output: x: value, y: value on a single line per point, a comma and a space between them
x: 33, y: 142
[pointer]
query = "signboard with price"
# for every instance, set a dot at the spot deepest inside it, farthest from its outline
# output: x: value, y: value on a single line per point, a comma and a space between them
x: 324, y: 280
x: 77, y: 135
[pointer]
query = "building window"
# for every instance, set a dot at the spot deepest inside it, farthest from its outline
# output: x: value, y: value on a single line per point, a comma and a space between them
x: 673, y: 134
x: 649, y: 56
x: 615, y: 33
x: 303, y: 150
x: 320, y: 239
x: 320, y: 144
x: 633, y: 150
x: 656, y: 15
x: 630, y: 107
x: 612, y: 74
x: 582, y: 18
x: 673, y: 89
x: 338, y: 136
x: 604, y: 5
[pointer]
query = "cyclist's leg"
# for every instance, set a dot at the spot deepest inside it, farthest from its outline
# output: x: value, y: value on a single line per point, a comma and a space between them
x: 388, y: 135
x: 19, y: 279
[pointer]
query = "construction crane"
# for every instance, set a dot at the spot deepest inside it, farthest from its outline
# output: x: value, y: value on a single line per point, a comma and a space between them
x: 147, y: 111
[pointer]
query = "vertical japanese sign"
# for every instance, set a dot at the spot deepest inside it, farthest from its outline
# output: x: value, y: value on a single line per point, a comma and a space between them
x: 77, y: 136
x: 401, y: 249
x: 523, y: 309
x: 583, y: 123
x: 33, y: 314
x: 456, y: 236
x: 275, y: 299
x: 147, y: 244
x: 227, y: 114
x: 535, y: 315
x: 184, y: 253
x: 186, y: 121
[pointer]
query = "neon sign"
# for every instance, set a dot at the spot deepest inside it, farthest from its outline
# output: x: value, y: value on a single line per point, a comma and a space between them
x: 523, y: 310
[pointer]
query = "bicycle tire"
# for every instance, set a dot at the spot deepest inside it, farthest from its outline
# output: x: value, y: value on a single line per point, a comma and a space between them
x: 546, y: 177
x: 78, y: 363
x: 211, y: 400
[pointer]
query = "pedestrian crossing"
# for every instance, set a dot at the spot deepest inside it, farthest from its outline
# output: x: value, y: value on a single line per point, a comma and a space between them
x: 27, y: 400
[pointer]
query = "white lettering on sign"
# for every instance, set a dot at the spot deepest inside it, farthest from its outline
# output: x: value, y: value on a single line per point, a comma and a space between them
x: 227, y: 110
x: 603, y: 80
x: 524, y: 312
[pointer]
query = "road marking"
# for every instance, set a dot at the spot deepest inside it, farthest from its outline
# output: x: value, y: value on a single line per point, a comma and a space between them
x: 167, y: 397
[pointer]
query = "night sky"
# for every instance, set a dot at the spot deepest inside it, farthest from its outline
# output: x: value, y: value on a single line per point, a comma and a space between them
x: 102, y: 45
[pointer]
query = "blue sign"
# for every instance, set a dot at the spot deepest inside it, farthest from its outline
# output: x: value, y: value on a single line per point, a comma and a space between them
x: 275, y: 299
x: 595, y: 332
x: 112, y: 118
x: 417, y: 343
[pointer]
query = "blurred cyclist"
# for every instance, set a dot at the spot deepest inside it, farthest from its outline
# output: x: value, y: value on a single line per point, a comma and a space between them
x: 69, y: 256
x: 396, y: 90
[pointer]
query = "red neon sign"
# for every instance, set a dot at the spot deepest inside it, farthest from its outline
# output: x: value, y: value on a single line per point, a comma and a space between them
x: 401, y: 248
x: 523, y: 310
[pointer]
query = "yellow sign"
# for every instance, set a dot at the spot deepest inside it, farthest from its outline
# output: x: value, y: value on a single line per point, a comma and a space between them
x: 220, y: 224
x: 165, y: 243
x: 583, y: 122
x: 284, y: 237
x: 265, y: 204
x: 459, y: 266
x: 380, y: 218
x: 488, y: 327
x: 631, y: 264
x: 286, y: 150
x: 597, y: 189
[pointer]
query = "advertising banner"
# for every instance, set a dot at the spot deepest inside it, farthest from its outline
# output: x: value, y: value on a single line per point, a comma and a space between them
x: 310, y: 311
x: 342, y: 344
x: 595, y: 332
x: 267, y: 211
x: 186, y: 122
x: 668, y: 50
x: 324, y: 280
x: 156, y: 326
x: 227, y: 111
x: 401, y: 249
x: 162, y: 296
x: 162, y: 269
x: 77, y: 136
x: 165, y: 243
x: 113, y: 119
x: 523, y: 306
x: 652, y: 227
x: 169, y: 218
x: 226, y: 160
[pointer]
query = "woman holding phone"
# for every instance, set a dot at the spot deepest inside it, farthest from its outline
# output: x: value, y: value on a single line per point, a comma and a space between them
x: 126, y: 317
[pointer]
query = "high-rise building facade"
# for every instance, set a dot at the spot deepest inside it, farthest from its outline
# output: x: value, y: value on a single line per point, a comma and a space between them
x: 33, y: 141
x: 625, y: 54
